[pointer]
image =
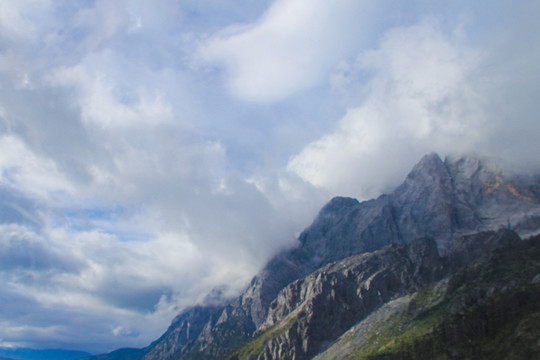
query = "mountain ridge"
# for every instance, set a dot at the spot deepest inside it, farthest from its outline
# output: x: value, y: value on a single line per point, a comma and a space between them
x: 343, y: 293
x: 439, y: 200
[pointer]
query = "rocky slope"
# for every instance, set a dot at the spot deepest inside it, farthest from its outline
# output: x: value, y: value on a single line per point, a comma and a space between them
x: 487, y: 310
x: 440, y: 200
x: 311, y: 312
x: 320, y: 307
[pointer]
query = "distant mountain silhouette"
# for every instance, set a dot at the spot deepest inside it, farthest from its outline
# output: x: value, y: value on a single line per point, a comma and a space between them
x: 33, y: 354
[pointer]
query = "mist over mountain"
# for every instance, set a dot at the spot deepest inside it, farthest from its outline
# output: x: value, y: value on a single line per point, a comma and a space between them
x: 359, y: 257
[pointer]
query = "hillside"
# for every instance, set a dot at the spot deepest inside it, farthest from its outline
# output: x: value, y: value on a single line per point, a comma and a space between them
x: 489, y: 310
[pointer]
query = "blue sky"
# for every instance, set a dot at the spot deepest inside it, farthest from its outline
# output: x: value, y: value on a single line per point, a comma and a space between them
x: 151, y: 151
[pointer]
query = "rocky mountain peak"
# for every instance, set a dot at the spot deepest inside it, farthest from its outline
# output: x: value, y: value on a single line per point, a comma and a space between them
x: 429, y: 178
x: 430, y: 167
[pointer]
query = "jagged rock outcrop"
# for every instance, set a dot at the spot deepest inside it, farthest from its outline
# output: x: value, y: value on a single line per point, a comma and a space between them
x: 314, y: 311
x: 184, y: 331
x: 441, y: 200
x: 320, y: 307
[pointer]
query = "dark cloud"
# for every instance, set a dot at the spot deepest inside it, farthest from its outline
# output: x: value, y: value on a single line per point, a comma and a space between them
x: 25, y: 251
x: 129, y: 296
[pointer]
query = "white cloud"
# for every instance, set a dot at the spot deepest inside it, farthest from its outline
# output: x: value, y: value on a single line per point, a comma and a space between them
x: 18, y: 18
x: 292, y: 47
x: 30, y: 172
x: 100, y: 107
x: 420, y: 99
x: 102, y: 21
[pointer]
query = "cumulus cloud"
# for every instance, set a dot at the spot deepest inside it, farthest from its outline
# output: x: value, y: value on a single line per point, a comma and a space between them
x: 31, y: 173
x: 101, y: 108
x: 292, y: 47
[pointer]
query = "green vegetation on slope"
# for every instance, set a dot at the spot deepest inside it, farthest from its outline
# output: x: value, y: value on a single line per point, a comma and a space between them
x: 489, y: 311
x: 252, y: 348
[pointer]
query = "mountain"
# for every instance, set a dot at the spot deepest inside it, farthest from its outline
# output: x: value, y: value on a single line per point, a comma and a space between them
x: 46, y: 354
x: 350, y: 298
x: 120, y: 354
x: 357, y: 257
x: 321, y: 306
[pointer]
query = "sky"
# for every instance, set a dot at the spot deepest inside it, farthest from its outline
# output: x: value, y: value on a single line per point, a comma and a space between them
x: 151, y: 151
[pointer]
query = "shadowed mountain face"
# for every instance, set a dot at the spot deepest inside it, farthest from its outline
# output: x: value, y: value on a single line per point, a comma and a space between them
x: 339, y: 257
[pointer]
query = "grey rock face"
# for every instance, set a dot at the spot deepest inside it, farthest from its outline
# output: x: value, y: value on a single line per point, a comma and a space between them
x: 184, y: 331
x: 441, y: 200
x: 423, y: 204
x: 312, y: 312
x: 320, y: 307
